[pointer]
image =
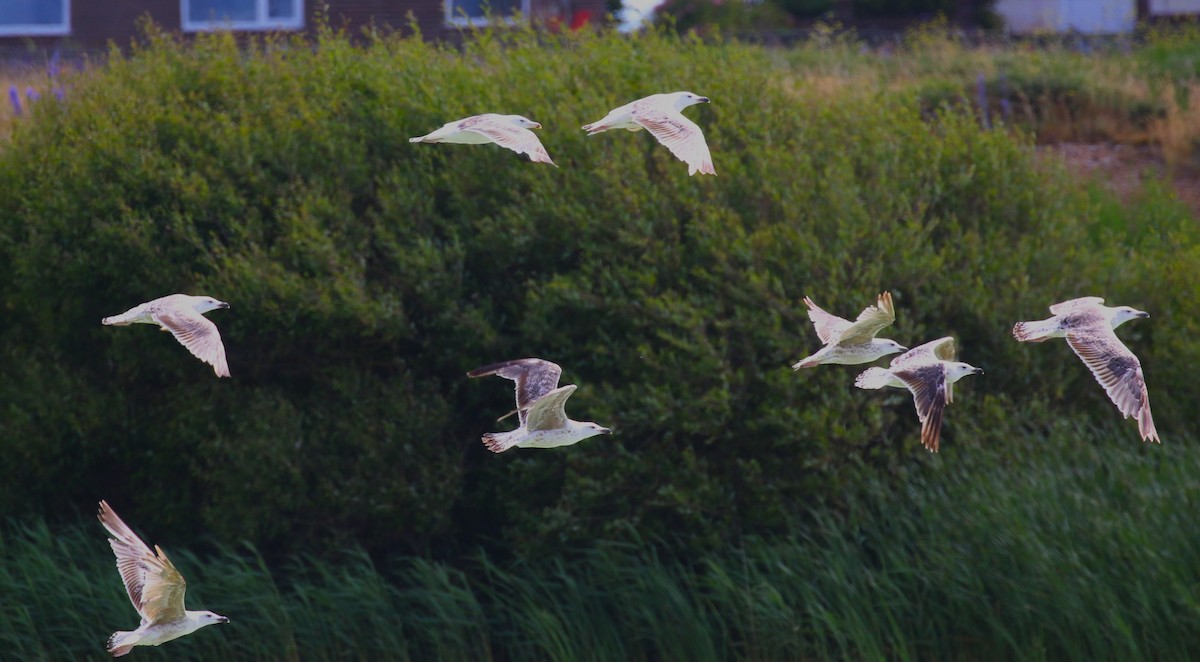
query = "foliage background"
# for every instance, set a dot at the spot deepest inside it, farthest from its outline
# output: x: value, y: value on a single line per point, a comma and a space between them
x: 366, y: 275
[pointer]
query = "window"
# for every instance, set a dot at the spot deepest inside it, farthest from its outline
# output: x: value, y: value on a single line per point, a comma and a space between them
x: 475, y: 12
x: 35, y: 17
x: 242, y: 14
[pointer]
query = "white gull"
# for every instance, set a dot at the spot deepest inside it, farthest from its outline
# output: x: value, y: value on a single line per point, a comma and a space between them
x: 155, y: 588
x: 182, y: 315
x: 929, y: 372
x: 1088, y: 325
x: 540, y: 407
x: 659, y: 114
x: 849, y: 343
x: 511, y: 131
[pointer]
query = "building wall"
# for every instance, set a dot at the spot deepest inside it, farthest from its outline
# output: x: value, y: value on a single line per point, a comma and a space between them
x: 1086, y: 16
x: 1174, y: 7
x: 94, y: 23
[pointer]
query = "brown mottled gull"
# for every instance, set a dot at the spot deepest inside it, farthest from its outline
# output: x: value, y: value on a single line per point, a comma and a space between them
x: 929, y: 372
x: 155, y: 588
x: 1088, y: 325
x: 540, y: 406
x: 850, y: 343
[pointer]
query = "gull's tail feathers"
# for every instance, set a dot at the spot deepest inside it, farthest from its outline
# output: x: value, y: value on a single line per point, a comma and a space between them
x: 807, y: 362
x: 435, y: 136
x: 124, y: 319
x: 1034, y: 331
x: 498, y: 442
x: 873, y: 378
x: 119, y: 643
x: 1146, y: 425
x: 704, y: 168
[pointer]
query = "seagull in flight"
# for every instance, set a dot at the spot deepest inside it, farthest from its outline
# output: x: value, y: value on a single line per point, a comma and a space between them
x: 1088, y: 325
x: 659, y: 114
x: 850, y: 343
x: 183, y: 316
x: 540, y: 407
x: 511, y: 131
x: 929, y: 372
x: 155, y: 588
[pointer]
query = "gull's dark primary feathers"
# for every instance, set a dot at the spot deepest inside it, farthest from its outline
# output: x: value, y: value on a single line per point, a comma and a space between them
x: 534, y: 378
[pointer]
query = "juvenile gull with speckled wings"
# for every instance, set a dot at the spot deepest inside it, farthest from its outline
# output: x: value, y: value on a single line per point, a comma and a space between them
x: 1088, y: 325
x: 541, y: 406
x: 850, y: 343
x: 929, y: 372
x: 510, y: 131
x: 155, y: 588
x: 183, y: 316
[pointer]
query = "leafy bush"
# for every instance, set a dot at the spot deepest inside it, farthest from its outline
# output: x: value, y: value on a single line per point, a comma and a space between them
x: 366, y: 275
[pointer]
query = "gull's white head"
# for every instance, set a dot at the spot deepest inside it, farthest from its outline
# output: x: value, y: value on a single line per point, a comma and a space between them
x: 205, y: 304
x: 1123, y: 314
x: 956, y: 370
x: 205, y: 618
x: 524, y: 122
x: 889, y: 346
x: 590, y: 429
x: 685, y: 99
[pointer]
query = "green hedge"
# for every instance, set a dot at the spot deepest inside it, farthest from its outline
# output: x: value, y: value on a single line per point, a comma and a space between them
x: 367, y: 274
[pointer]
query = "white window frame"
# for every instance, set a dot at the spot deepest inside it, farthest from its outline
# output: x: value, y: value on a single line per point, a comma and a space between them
x: 457, y: 19
x: 265, y: 23
x: 36, y: 29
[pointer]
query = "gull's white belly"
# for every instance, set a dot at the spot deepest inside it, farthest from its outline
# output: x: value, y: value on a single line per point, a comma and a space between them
x: 161, y: 633
x: 549, y: 438
x: 467, y: 138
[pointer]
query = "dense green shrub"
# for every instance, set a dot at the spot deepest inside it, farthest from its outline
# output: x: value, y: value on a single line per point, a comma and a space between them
x: 366, y: 275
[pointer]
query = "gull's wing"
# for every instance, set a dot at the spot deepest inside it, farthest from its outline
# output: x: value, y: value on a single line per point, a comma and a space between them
x: 829, y: 327
x: 154, y: 586
x: 941, y: 349
x: 534, y: 378
x: 1118, y: 371
x: 197, y: 333
x: 931, y: 393
x: 678, y: 134
x: 1071, y: 304
x: 507, y: 134
x: 870, y: 321
x: 548, y: 412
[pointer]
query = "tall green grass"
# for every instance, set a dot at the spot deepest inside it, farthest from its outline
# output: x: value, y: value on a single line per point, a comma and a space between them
x: 1082, y: 549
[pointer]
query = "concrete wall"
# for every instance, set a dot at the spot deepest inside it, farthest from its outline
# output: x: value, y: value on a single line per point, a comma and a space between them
x: 1086, y: 16
x: 1174, y: 7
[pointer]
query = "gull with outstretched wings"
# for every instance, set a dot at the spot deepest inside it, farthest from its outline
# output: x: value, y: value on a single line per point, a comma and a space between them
x: 540, y: 407
x: 510, y: 131
x: 929, y: 372
x: 1088, y: 326
x: 659, y: 114
x: 155, y: 588
x: 183, y: 316
x: 850, y: 343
